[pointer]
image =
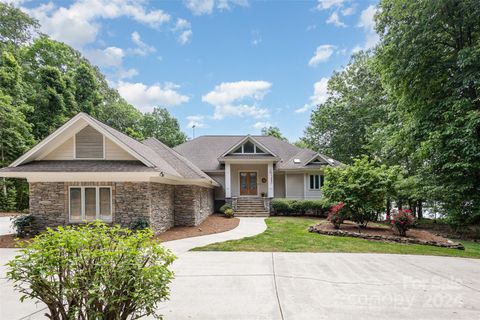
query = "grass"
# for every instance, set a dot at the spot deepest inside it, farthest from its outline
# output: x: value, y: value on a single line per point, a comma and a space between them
x: 288, y: 234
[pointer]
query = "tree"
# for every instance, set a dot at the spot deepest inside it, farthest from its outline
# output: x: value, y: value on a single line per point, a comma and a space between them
x: 362, y: 187
x: 16, y: 27
x: 429, y: 59
x: 273, y: 132
x: 87, y: 96
x: 94, y: 272
x: 50, y: 108
x: 161, y: 125
x: 341, y: 126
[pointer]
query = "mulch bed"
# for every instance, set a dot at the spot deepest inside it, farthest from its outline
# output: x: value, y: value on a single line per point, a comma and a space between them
x: 384, y: 233
x: 10, y: 241
x: 10, y: 214
x: 213, y: 224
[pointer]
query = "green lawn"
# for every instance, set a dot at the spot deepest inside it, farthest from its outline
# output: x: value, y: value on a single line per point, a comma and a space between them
x: 288, y: 234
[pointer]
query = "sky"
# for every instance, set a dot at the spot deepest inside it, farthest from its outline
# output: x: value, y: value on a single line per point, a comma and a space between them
x: 225, y: 66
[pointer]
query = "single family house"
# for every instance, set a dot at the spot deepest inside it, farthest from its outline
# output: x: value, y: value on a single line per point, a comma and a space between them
x: 87, y: 170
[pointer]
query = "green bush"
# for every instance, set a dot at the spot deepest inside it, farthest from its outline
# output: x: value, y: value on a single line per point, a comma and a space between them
x: 25, y: 225
x: 140, y: 224
x: 229, y: 213
x: 225, y: 207
x: 300, y: 207
x: 94, y: 272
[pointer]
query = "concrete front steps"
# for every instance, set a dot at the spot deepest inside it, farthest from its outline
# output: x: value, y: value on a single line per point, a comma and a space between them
x: 251, y: 207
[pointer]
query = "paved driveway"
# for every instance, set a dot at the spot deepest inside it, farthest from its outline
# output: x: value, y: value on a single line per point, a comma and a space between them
x: 5, y: 225
x: 255, y: 285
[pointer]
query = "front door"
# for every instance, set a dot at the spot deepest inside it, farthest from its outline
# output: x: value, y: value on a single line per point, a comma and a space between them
x: 248, y: 183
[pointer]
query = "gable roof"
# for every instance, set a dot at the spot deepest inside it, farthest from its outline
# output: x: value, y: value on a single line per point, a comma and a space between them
x: 152, y: 155
x: 243, y: 141
x: 206, y: 151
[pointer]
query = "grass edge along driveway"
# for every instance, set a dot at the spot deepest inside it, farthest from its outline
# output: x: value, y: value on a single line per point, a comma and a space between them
x: 289, y: 234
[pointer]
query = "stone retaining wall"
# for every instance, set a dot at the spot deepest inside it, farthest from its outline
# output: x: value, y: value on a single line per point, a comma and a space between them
x: 342, y: 233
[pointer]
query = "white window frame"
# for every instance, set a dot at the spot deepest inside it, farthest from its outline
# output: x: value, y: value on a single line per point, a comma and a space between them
x: 97, y: 203
x: 75, y: 148
x: 254, y: 150
x: 319, y: 182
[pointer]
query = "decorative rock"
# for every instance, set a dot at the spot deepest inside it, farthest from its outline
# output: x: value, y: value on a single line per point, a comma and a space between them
x: 386, y: 238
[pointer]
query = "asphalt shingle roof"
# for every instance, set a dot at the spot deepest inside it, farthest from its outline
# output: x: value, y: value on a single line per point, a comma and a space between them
x: 204, y: 151
x: 81, y: 166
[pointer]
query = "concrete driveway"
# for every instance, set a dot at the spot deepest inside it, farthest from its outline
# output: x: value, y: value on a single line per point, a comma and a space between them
x: 256, y: 285
x: 6, y: 225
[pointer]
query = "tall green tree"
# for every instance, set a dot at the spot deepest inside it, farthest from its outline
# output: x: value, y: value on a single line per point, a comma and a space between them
x: 341, y: 126
x: 429, y: 58
x: 16, y: 27
x: 161, y: 125
x: 273, y: 132
x: 87, y: 95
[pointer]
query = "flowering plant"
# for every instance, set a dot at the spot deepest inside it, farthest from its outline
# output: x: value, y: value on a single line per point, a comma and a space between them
x: 336, y: 215
x: 402, y: 220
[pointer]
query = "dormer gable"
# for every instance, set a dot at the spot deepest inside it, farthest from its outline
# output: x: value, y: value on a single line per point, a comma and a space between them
x: 248, y: 146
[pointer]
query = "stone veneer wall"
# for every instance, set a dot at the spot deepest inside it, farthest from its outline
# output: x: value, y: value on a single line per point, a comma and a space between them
x: 48, y: 203
x: 163, y: 205
x: 193, y: 204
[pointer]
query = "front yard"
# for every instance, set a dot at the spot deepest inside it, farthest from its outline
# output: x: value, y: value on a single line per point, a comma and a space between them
x: 289, y: 234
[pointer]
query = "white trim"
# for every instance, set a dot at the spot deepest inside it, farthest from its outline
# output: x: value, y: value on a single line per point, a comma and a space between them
x: 82, y: 203
x: 240, y: 183
x: 254, y: 141
x: 228, y: 180
x: 319, y: 181
x: 270, y: 181
x: 286, y: 184
x: 305, y: 181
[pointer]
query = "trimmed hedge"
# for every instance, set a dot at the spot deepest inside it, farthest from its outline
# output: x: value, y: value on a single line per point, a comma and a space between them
x: 300, y: 207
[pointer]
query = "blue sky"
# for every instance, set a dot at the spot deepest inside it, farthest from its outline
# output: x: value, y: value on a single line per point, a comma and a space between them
x: 228, y: 66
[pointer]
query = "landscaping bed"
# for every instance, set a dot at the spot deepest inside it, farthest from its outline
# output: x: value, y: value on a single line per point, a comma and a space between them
x: 213, y: 224
x: 384, y: 233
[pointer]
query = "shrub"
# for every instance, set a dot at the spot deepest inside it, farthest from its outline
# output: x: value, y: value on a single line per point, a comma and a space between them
x: 336, y: 215
x: 229, y: 213
x: 300, y: 207
x: 402, y: 220
x: 140, y: 224
x: 362, y: 187
x: 25, y: 225
x: 225, y: 207
x: 94, y: 272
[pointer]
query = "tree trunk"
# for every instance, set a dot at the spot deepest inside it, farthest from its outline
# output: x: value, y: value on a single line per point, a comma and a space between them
x: 419, y: 211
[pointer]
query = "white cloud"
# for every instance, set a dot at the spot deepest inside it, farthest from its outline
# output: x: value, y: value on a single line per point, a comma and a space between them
x: 257, y: 37
x: 262, y: 124
x: 126, y: 74
x: 328, y: 4
x: 367, y: 23
x: 322, y: 54
x: 108, y: 57
x: 146, y: 97
x: 320, y: 95
x: 348, y: 11
x: 201, y: 7
x: 335, y: 20
x: 142, y: 48
x: 229, y: 98
x: 197, y: 121
x: 78, y: 24
x: 184, y: 29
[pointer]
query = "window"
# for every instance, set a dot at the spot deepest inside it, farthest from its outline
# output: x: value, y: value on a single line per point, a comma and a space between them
x: 89, y: 144
x: 249, y: 147
x: 316, y: 181
x: 90, y: 203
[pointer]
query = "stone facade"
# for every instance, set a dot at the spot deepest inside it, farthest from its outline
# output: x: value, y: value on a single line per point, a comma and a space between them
x: 193, y: 204
x: 162, y: 205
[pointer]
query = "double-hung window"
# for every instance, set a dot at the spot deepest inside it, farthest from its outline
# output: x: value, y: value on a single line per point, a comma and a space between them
x: 90, y: 203
x: 316, y: 181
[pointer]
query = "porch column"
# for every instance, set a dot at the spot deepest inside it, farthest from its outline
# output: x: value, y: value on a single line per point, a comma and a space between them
x: 228, y: 181
x: 270, y: 180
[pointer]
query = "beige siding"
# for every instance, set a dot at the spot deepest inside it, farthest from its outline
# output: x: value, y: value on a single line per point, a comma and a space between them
x: 63, y: 152
x: 261, y: 173
x: 89, y: 144
x: 114, y: 152
x: 294, y: 185
x: 219, y: 191
x: 279, y: 185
